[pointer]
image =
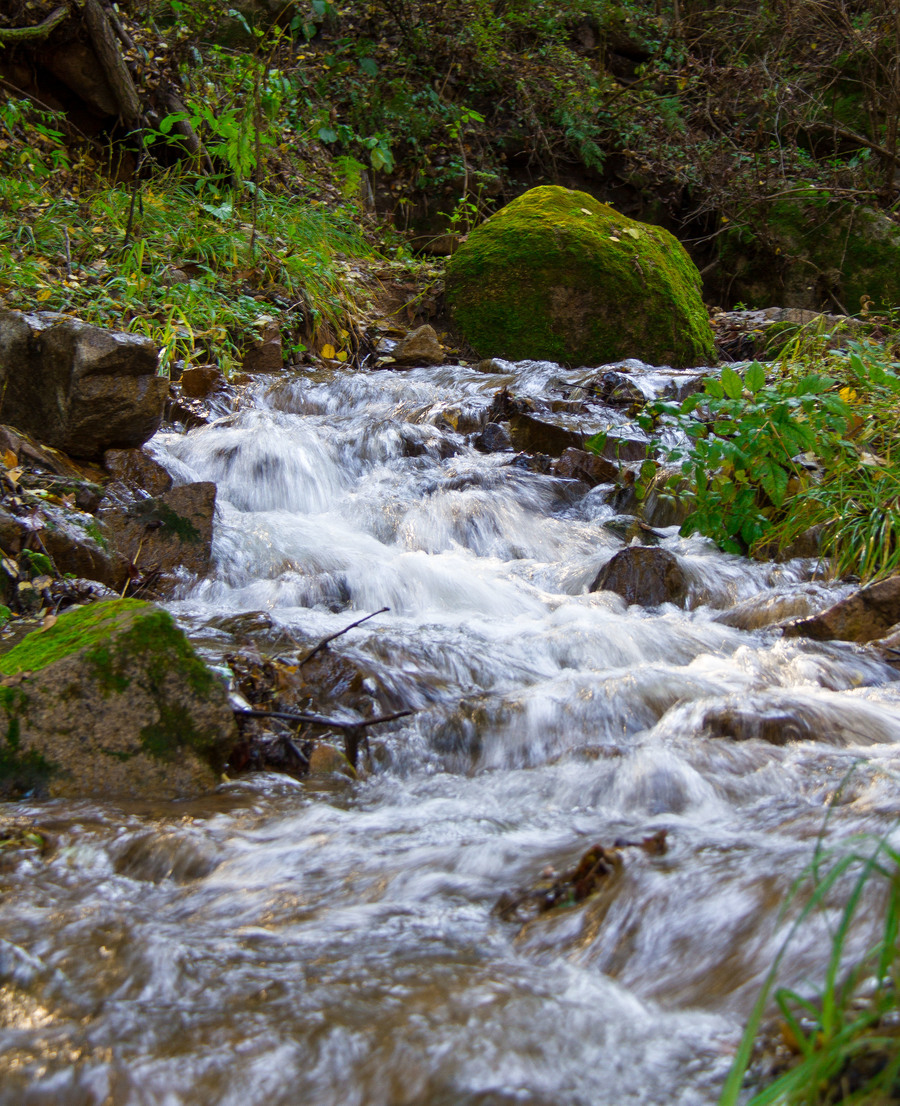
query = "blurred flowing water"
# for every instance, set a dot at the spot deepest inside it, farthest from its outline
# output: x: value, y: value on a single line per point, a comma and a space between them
x: 285, y: 942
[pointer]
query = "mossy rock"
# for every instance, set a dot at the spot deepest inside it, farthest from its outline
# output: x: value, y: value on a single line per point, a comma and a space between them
x: 557, y: 275
x: 110, y: 700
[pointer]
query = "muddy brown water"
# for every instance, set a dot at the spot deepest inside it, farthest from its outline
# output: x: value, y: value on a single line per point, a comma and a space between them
x: 284, y: 942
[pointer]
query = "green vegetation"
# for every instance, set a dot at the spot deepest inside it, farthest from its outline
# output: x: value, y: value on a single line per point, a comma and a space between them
x: 189, y: 267
x: 766, y: 458
x: 844, y: 1042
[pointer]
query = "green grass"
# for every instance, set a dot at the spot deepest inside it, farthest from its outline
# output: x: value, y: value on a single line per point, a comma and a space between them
x: 846, y: 1038
x: 202, y: 268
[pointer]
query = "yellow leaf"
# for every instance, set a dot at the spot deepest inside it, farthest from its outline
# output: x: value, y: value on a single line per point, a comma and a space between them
x: 328, y: 351
x: 44, y: 294
x: 633, y: 231
x: 342, y: 355
x: 10, y: 460
x: 848, y: 395
x: 586, y: 211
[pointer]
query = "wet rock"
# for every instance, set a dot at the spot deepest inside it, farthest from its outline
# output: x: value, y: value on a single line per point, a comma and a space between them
x: 165, y: 533
x: 615, y: 389
x: 533, y: 435
x: 579, y: 464
x: 419, y: 347
x: 775, y: 726
x: 111, y: 701
x: 767, y: 610
x: 867, y: 615
x: 79, y: 544
x: 495, y: 438
x: 78, y: 388
x: 623, y: 447
x: 538, y: 463
x: 325, y: 760
x: 265, y: 355
x: 33, y: 453
x: 630, y: 528
x: 644, y: 575
x: 137, y: 471
x: 200, y: 381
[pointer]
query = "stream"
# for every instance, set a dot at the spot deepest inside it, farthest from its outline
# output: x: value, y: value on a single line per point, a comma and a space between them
x: 336, y: 943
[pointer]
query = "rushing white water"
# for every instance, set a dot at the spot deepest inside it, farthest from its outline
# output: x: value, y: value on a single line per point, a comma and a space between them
x: 328, y: 943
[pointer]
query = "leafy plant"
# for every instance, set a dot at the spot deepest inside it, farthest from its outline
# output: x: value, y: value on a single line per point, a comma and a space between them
x: 760, y: 461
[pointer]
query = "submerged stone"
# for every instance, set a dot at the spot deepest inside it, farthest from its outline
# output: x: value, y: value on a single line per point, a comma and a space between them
x: 110, y: 700
x: 558, y: 275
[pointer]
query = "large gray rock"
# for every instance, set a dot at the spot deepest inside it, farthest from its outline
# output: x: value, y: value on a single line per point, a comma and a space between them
x: 112, y: 701
x: 78, y: 388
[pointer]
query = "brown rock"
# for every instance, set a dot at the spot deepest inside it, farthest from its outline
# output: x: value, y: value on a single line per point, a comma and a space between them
x: 76, y: 387
x: 265, y: 355
x: 137, y: 471
x: 168, y: 532
x: 30, y: 452
x: 776, y: 726
x: 419, y: 347
x: 493, y: 439
x: 644, y: 575
x: 579, y: 464
x: 533, y: 435
x: 80, y: 544
x: 325, y: 760
x: 868, y: 614
x: 200, y: 381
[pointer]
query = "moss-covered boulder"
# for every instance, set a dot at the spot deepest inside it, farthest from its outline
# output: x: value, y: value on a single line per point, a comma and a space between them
x: 557, y: 275
x: 110, y: 700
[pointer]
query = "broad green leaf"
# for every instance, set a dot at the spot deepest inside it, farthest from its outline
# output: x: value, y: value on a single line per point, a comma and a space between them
x: 713, y: 388
x: 755, y: 378
x: 774, y: 480
x: 369, y: 66
x: 732, y: 385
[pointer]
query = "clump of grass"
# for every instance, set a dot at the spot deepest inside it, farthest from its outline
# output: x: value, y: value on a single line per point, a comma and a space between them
x: 846, y: 1039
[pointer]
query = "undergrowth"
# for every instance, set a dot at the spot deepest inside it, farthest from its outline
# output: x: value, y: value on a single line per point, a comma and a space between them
x: 184, y: 259
x: 764, y: 456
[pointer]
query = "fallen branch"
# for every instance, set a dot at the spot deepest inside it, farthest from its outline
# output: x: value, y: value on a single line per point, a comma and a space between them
x: 321, y: 720
x: 354, y: 732
x: 325, y: 641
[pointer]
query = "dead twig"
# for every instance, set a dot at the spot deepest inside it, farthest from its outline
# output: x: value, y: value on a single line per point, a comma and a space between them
x: 354, y: 732
x: 325, y: 641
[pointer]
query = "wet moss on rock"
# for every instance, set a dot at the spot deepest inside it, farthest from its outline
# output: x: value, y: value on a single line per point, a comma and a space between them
x: 558, y: 275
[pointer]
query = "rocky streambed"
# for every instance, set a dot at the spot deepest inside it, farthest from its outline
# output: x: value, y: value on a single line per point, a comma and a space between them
x: 557, y: 880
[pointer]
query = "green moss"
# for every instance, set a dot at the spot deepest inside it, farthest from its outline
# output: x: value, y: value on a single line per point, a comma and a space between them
x: 122, y: 640
x: 154, y: 512
x: 74, y: 630
x: 558, y: 275
x: 831, y: 254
